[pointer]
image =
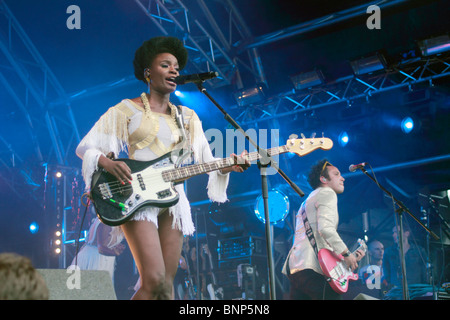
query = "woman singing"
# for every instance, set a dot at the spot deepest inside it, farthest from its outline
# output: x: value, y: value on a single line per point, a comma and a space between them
x: 146, y: 128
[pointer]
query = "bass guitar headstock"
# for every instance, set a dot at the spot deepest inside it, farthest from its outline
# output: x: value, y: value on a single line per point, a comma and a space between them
x: 304, y: 145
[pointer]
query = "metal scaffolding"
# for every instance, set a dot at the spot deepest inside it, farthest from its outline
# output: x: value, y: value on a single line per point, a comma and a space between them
x: 346, y: 90
x: 38, y: 87
x: 207, y: 51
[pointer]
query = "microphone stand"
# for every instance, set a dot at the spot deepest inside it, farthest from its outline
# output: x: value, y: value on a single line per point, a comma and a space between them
x: 433, y: 206
x: 266, y: 160
x: 401, y: 209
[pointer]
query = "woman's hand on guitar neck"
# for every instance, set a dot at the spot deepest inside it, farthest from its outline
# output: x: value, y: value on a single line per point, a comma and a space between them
x: 242, y: 163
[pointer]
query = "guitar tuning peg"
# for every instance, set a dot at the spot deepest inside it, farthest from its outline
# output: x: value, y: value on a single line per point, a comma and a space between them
x: 323, y: 138
x: 293, y: 136
x: 303, y: 136
x: 313, y: 135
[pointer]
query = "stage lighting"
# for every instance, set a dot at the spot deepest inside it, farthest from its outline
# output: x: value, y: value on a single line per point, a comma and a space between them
x: 179, y: 94
x: 307, y: 79
x: 407, y: 125
x: 344, y: 138
x: 57, y: 242
x: 34, y: 227
x: 278, y: 207
x: 368, y: 65
x: 58, y: 174
x: 250, y: 96
x: 433, y: 46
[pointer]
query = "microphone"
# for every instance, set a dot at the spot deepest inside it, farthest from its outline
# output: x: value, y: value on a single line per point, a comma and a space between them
x: 196, y: 77
x: 354, y: 167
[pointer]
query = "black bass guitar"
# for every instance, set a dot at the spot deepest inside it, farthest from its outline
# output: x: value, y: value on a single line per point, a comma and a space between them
x: 153, y: 181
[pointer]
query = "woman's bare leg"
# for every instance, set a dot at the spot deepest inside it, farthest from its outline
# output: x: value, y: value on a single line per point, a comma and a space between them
x: 171, y: 245
x: 156, y: 253
x: 143, y: 240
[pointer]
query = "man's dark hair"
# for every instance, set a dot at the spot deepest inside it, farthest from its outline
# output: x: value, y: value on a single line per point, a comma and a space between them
x: 317, y: 170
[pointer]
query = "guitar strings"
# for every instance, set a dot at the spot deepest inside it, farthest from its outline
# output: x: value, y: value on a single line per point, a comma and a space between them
x: 116, y: 187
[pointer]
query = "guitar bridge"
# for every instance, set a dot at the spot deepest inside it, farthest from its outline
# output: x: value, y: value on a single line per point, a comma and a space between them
x: 105, y: 191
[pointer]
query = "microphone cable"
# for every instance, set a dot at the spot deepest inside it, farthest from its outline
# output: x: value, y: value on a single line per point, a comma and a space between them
x: 81, y: 226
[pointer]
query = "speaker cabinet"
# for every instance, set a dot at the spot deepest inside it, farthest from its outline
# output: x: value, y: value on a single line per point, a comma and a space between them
x: 78, y: 284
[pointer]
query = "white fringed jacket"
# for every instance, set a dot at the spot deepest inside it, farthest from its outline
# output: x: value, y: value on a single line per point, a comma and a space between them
x: 145, y: 135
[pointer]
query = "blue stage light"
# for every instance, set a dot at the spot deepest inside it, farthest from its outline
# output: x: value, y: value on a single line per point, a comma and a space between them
x: 34, y: 227
x: 179, y: 94
x: 407, y: 125
x: 343, y: 138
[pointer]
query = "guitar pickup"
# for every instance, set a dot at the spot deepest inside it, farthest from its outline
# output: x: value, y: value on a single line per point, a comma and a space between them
x: 164, y: 194
x: 141, y: 181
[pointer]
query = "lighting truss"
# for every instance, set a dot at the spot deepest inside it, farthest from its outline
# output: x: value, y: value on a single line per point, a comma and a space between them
x: 38, y: 85
x: 346, y: 90
x: 208, y: 50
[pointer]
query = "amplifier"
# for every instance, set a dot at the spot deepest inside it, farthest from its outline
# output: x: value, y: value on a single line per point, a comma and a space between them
x: 241, y: 247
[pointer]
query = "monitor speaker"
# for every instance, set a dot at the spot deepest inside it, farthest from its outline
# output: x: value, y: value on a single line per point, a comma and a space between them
x: 363, y: 296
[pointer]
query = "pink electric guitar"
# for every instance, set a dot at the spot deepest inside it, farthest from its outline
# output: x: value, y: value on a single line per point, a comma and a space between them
x: 334, y: 268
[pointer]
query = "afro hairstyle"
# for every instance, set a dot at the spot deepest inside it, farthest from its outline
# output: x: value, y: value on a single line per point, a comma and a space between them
x: 146, y: 53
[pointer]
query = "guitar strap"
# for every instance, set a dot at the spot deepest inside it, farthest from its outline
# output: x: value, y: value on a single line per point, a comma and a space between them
x: 180, y: 120
x: 308, y: 230
x: 180, y: 123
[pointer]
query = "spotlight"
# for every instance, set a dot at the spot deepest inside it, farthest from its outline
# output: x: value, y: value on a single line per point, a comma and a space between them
x: 179, y: 94
x: 368, y: 65
x: 57, y: 242
x: 436, y: 45
x: 58, y: 174
x: 343, y: 138
x: 407, y: 125
x: 34, y: 227
x: 307, y: 79
x: 250, y: 96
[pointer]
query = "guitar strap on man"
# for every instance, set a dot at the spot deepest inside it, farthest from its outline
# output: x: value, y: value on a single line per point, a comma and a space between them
x: 308, y: 230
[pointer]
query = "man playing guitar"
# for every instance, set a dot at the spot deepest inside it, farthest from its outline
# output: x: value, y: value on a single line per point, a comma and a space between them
x: 319, y: 214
